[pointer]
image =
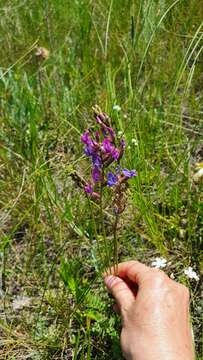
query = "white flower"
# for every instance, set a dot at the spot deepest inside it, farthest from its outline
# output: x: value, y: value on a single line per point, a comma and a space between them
x: 20, y: 302
x: 120, y: 133
x: 198, y: 175
x: 116, y: 108
x: 134, y: 142
x: 191, y: 274
x: 159, y: 263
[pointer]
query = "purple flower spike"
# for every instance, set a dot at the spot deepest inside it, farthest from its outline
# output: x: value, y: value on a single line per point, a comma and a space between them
x: 96, y: 174
x: 88, y: 189
x: 111, y: 179
x: 129, y: 173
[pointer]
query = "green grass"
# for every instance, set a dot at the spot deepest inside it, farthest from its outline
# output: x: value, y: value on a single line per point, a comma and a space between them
x: 145, y: 56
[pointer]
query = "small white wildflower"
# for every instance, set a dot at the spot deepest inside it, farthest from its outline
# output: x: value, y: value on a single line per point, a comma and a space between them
x: 159, y: 263
x: 191, y: 274
x: 134, y: 142
x: 182, y: 233
x: 129, y: 147
x: 120, y: 133
x: 116, y: 108
x: 20, y: 302
x: 198, y: 175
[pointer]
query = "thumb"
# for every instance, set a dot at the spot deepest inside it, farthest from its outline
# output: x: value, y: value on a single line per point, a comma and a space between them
x: 120, y: 290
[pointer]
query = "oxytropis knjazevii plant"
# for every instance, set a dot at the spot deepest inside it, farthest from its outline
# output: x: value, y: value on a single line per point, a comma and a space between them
x: 105, y: 150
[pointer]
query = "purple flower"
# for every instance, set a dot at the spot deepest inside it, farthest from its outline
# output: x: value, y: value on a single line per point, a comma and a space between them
x: 89, y: 150
x: 88, y: 189
x: 107, y: 145
x: 106, y: 130
x: 129, y: 173
x: 108, y: 148
x: 90, y: 147
x: 96, y: 174
x: 86, y: 139
x: 111, y: 179
x: 115, y: 153
x: 96, y: 160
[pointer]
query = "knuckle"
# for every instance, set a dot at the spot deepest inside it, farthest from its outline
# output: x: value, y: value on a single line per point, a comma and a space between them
x: 160, y: 277
x: 133, y: 263
x: 182, y: 291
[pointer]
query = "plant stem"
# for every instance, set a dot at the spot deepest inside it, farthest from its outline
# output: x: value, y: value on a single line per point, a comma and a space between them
x: 103, y: 227
x: 115, y: 244
x: 95, y: 230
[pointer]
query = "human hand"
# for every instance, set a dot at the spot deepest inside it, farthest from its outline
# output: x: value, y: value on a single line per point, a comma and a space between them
x: 154, y: 311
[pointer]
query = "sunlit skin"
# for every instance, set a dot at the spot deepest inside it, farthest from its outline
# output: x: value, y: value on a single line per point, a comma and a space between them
x: 154, y: 311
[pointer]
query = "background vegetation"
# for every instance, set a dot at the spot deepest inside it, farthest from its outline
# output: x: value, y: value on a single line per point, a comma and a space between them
x: 146, y: 57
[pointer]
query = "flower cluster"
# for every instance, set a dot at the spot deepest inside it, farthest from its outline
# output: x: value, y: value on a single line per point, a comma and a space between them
x: 159, y: 263
x: 103, y: 149
x: 191, y: 274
